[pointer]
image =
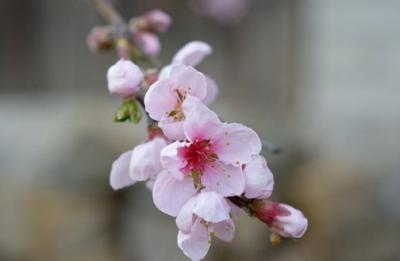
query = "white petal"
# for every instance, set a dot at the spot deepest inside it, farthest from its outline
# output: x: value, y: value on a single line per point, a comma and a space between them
x: 200, y: 122
x: 171, y: 161
x: 212, y: 207
x: 195, y: 244
x: 145, y: 160
x: 228, y: 180
x: 259, y: 178
x: 224, y: 230
x: 192, y: 53
x: 170, y: 194
x: 119, y: 177
x: 236, y: 144
x: 185, y: 218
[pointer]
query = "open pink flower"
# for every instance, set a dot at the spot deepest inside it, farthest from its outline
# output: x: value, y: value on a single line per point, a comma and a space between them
x: 140, y: 164
x: 124, y: 78
x: 205, y: 215
x: 281, y: 218
x: 165, y: 98
x: 192, y: 54
x: 259, y: 178
x: 212, y: 153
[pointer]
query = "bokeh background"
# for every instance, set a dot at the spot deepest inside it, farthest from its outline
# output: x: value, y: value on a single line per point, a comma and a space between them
x: 319, y: 78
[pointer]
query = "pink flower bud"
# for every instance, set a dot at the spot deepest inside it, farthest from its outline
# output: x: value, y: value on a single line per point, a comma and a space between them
x: 157, y: 20
x: 148, y: 43
x: 100, y: 39
x: 282, y: 219
x: 124, y: 78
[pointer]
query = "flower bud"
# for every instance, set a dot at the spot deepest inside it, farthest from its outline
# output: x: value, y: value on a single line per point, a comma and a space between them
x: 282, y: 219
x: 124, y: 78
x: 148, y: 43
x: 100, y: 39
x: 157, y: 20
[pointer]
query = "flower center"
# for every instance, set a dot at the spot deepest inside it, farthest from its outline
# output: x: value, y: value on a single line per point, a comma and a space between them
x: 197, y: 155
x: 177, y: 112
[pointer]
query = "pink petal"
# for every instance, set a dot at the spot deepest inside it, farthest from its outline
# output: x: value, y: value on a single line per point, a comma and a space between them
x: 185, y: 218
x: 189, y: 81
x: 259, y: 178
x: 171, y: 161
x: 170, y: 194
x: 124, y: 78
x: 119, y: 177
x: 293, y: 225
x: 171, y: 128
x: 145, y: 159
x: 236, y: 144
x: 228, y: 180
x: 212, y: 207
x: 160, y: 99
x: 165, y: 72
x: 225, y: 230
x: 212, y: 91
x: 148, y: 43
x: 195, y: 244
x: 192, y: 53
x: 200, y: 122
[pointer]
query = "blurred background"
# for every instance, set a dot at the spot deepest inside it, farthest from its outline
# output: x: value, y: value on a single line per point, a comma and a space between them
x: 319, y: 78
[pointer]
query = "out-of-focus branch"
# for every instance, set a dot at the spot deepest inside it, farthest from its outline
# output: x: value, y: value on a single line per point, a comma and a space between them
x: 107, y: 11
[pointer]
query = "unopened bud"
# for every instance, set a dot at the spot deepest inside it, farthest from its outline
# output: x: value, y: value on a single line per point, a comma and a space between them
x: 124, y: 78
x: 148, y: 43
x: 282, y: 219
x: 100, y: 39
x: 155, y: 21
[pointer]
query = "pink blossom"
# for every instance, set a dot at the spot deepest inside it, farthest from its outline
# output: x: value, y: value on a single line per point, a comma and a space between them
x: 100, y: 39
x: 281, y: 218
x: 226, y: 12
x: 165, y: 98
x: 203, y: 216
x: 140, y: 164
x: 192, y: 53
x: 259, y: 179
x: 148, y: 43
x: 124, y: 78
x: 157, y: 20
x: 212, y: 153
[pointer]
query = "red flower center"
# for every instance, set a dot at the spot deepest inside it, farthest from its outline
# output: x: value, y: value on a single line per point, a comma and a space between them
x: 197, y: 155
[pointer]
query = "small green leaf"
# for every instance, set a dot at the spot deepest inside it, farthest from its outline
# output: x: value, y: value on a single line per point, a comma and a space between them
x: 129, y: 111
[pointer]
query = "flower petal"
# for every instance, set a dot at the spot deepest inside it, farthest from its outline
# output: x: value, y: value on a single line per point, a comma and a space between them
x: 192, y: 53
x: 259, y: 178
x: 160, y: 99
x: 119, y: 177
x: 201, y: 122
x: 212, y: 207
x: 195, y: 244
x: 185, y: 218
x: 171, y: 128
x: 225, y: 230
x: 145, y: 159
x: 189, y: 81
x: 171, y: 161
x: 170, y: 194
x: 212, y: 91
x: 225, y: 179
x: 236, y: 144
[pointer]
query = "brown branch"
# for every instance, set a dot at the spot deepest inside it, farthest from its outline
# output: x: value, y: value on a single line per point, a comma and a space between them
x: 107, y: 11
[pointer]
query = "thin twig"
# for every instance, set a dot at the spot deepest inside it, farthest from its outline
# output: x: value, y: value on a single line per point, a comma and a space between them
x: 107, y: 11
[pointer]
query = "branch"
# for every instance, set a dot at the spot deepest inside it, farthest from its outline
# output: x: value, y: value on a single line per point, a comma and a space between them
x: 107, y: 11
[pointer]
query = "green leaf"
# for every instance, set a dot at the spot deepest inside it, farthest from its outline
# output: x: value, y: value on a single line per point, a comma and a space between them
x: 129, y: 111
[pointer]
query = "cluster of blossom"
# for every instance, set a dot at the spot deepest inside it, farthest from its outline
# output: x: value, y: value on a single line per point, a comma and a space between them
x: 141, y: 33
x: 201, y: 170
